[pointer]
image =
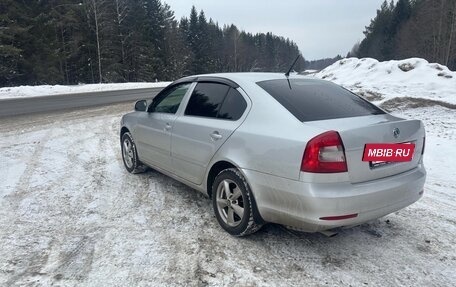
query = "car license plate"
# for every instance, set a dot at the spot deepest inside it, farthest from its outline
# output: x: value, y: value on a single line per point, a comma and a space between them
x: 384, y: 152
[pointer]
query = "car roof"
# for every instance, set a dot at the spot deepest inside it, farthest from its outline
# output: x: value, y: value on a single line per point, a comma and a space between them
x: 248, y: 76
x: 242, y: 78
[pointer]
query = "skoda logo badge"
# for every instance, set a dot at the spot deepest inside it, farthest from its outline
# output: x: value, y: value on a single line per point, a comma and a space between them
x: 396, y: 132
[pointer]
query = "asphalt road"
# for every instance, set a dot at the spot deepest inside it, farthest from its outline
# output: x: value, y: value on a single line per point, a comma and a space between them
x: 21, y: 106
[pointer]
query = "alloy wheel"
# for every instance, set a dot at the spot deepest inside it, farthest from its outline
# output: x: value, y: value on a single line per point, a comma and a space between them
x: 230, y: 202
x: 128, y: 154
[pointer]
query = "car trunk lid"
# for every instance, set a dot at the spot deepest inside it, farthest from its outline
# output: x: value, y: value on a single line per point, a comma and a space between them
x: 356, y: 132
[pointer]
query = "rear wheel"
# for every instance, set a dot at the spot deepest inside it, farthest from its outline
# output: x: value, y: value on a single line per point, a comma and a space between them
x: 233, y: 203
x: 130, y: 156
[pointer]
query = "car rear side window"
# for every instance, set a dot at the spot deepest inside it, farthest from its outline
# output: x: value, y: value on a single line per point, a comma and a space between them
x: 233, y: 106
x: 312, y: 100
x: 206, y: 100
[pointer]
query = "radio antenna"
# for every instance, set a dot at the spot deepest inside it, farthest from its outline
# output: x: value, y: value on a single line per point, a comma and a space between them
x: 287, y: 74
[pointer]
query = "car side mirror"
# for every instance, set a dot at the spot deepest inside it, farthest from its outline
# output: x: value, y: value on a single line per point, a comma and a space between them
x: 141, y: 106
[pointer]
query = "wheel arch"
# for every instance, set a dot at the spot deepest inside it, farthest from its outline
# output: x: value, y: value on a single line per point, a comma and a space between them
x: 216, y: 168
x: 123, y: 130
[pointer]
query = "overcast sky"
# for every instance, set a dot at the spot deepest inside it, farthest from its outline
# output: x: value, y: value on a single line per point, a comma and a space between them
x: 321, y: 28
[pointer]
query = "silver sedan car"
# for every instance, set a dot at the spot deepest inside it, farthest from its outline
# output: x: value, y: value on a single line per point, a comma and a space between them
x: 296, y: 151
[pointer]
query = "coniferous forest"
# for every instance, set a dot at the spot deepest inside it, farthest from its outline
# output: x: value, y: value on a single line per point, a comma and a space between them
x: 92, y: 41
x: 412, y: 28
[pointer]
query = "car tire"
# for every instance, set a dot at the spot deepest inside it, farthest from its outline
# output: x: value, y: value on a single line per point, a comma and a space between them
x: 236, y: 208
x: 130, y: 155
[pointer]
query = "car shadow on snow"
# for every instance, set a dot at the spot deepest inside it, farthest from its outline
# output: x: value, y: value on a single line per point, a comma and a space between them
x: 199, y: 206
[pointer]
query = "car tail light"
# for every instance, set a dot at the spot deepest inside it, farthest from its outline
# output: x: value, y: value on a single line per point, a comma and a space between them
x: 424, y: 144
x: 324, y: 153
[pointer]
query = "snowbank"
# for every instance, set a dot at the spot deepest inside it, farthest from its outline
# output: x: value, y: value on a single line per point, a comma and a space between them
x: 383, y: 81
x: 46, y: 90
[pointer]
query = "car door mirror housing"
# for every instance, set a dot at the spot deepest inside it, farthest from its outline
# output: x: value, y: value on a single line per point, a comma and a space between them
x: 141, y: 106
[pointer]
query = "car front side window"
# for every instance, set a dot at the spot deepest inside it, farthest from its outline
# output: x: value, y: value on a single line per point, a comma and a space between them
x: 169, y: 101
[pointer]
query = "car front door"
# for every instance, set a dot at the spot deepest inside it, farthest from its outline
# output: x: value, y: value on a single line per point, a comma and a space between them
x: 212, y: 114
x: 153, y: 132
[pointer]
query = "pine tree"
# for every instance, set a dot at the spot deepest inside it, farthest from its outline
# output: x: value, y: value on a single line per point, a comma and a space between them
x: 70, y: 42
x: 377, y: 41
x: 11, y: 30
x: 193, y: 39
x: 420, y: 28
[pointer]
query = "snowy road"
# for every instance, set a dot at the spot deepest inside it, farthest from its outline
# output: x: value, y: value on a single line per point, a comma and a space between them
x: 57, y: 102
x: 70, y: 215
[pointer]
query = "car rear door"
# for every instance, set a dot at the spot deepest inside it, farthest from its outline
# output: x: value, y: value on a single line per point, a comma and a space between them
x: 213, y: 113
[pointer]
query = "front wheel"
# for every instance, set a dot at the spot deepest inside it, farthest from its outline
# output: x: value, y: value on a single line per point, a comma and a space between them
x: 233, y: 203
x: 130, y: 156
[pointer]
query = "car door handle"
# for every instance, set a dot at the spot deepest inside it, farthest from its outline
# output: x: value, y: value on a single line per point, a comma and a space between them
x: 216, y: 136
x: 167, y: 127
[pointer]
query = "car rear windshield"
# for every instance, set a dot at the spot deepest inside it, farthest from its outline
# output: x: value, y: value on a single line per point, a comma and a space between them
x: 312, y: 100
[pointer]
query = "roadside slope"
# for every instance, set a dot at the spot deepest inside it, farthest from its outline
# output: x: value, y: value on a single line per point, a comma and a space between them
x: 379, y: 82
x: 48, y: 90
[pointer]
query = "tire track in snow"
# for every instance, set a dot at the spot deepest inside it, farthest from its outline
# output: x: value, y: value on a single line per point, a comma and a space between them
x: 76, y: 245
x: 23, y: 185
x: 148, y: 229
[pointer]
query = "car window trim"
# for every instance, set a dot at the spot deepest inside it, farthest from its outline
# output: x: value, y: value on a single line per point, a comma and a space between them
x: 221, y: 104
x: 218, y: 80
x: 209, y: 79
x: 197, y: 79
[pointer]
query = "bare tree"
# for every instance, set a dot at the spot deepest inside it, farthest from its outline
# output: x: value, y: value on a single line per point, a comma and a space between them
x: 93, y: 14
x: 452, y: 31
x: 438, y: 38
x: 121, y: 11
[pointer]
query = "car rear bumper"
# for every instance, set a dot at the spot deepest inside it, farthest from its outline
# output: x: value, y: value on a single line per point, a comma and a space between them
x: 301, y: 205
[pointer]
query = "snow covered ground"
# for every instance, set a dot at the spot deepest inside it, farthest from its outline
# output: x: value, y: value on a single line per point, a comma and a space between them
x: 70, y: 215
x: 384, y: 81
x: 46, y: 90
